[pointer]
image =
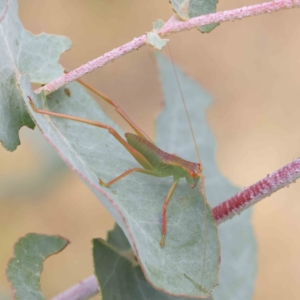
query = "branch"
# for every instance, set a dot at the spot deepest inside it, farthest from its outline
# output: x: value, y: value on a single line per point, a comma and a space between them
x: 258, y: 191
x: 85, y: 289
x: 171, y: 26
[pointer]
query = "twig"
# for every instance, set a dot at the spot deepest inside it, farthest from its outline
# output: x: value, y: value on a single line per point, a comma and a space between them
x: 175, y: 25
x: 83, y: 290
x: 171, y: 26
x: 258, y: 191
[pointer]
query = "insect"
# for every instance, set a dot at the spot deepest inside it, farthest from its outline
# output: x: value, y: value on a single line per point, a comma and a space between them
x: 153, y: 161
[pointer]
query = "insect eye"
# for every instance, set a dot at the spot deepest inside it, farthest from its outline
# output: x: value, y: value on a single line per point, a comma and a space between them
x: 193, y: 173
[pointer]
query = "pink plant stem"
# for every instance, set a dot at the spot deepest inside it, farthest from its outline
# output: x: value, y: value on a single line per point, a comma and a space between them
x: 99, y: 62
x: 85, y: 289
x: 174, y: 25
x: 171, y: 26
x: 258, y: 191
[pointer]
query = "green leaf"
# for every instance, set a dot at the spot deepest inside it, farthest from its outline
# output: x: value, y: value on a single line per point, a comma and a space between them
x: 24, y: 269
x: 119, y: 276
x: 23, y: 52
x: 117, y: 239
x: 158, y: 24
x: 3, y: 9
x: 238, y: 255
x: 186, y: 9
x: 135, y: 201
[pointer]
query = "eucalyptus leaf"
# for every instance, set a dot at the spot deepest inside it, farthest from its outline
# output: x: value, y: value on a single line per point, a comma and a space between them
x: 3, y: 9
x: 24, y: 269
x: 23, y: 52
x: 158, y: 24
x: 118, y: 274
x: 238, y: 255
x: 182, y: 267
x: 186, y: 9
x: 117, y: 239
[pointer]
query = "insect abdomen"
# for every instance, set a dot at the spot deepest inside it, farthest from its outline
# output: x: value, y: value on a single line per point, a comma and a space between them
x: 167, y: 164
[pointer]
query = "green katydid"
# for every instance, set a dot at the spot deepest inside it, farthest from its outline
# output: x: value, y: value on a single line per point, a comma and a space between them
x: 153, y: 160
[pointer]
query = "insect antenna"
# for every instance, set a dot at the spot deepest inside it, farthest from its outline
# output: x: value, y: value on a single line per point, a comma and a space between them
x: 202, y: 188
x: 185, y: 107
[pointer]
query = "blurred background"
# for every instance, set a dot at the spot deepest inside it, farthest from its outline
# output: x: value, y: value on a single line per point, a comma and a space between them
x: 251, y: 67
